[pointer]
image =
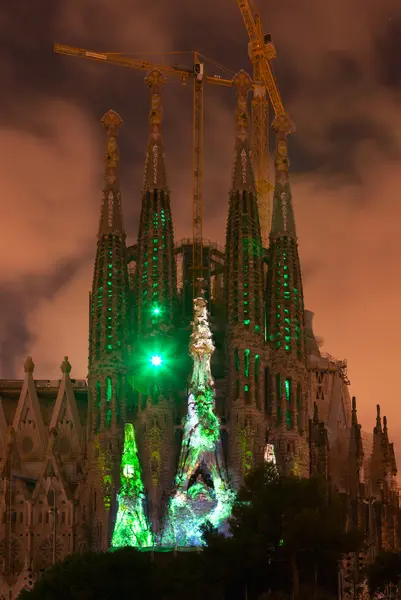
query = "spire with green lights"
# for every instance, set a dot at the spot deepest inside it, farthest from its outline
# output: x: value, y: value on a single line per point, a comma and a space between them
x: 285, y: 329
x: 108, y: 340
x: 244, y: 297
x: 155, y: 280
x: 154, y: 360
x: 109, y: 297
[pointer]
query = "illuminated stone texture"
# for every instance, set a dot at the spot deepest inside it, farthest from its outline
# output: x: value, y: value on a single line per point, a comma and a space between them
x: 155, y: 291
x: 201, y: 492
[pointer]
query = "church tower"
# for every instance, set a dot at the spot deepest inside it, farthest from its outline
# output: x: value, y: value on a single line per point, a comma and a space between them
x: 285, y: 329
x: 244, y: 294
x: 155, y: 293
x: 155, y: 278
x: 108, y: 341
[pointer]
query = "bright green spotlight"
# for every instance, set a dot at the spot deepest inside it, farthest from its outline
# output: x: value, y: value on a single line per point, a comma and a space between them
x: 156, y: 360
x: 156, y: 310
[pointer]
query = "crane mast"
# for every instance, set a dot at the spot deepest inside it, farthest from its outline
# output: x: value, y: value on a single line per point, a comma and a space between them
x: 261, y: 50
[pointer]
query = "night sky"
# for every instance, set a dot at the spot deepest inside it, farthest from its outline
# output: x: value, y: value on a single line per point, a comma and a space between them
x: 338, y: 69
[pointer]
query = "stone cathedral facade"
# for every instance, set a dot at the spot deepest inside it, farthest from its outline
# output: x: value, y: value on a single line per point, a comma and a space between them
x: 62, y: 441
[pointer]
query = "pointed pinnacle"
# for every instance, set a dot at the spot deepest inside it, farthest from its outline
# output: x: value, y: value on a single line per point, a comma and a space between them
x: 65, y: 365
x: 155, y: 170
x: 243, y: 177
x: 29, y: 365
x: 354, y: 417
x: 112, y: 123
x: 242, y: 83
x: 155, y: 80
x: 281, y: 127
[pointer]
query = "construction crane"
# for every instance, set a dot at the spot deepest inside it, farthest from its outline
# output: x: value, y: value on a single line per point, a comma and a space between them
x: 261, y: 50
x: 196, y: 73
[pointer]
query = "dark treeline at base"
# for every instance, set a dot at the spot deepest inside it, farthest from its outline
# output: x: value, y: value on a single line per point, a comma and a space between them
x: 287, y: 536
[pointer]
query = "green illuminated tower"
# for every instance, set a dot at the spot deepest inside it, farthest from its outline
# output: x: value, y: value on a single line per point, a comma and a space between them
x: 201, y: 492
x: 155, y: 297
x: 155, y: 277
x: 244, y: 293
x: 108, y: 345
x: 285, y: 330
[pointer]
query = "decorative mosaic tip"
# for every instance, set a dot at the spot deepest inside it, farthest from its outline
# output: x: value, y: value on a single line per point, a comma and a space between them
x: 65, y: 365
x: 111, y: 120
x: 242, y: 176
x: 242, y: 83
x: 29, y: 365
x: 155, y: 80
x: 155, y: 169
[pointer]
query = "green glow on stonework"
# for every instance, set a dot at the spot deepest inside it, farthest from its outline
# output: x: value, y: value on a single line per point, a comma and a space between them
x: 156, y: 360
x: 132, y: 527
x: 202, y: 492
x: 156, y: 310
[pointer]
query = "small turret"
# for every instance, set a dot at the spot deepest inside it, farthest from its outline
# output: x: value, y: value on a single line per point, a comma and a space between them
x: 285, y: 325
x: 108, y: 341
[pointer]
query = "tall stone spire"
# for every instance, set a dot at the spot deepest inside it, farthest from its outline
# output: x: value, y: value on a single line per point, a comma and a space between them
x: 108, y: 341
x: 383, y: 467
x: 155, y: 281
x: 244, y: 294
x: 285, y: 327
x: 243, y: 179
x: 155, y: 293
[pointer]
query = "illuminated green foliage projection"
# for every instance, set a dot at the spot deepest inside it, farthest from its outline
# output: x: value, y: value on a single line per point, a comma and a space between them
x: 132, y: 527
x: 202, y: 492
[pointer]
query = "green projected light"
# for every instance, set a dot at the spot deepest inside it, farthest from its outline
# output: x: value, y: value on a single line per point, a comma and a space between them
x: 156, y: 360
x: 156, y: 310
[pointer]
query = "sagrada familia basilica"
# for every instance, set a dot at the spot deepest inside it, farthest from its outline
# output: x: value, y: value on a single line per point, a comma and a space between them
x: 183, y: 396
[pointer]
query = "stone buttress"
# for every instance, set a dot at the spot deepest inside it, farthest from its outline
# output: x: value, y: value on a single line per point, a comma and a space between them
x: 285, y: 329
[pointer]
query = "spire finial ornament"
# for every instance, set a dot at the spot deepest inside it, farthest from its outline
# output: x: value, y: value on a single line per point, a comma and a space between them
x: 112, y: 123
x: 156, y: 81
x: 242, y: 177
x: 155, y: 170
x: 242, y: 83
x: 65, y: 366
x: 354, y: 419
x: 29, y: 365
